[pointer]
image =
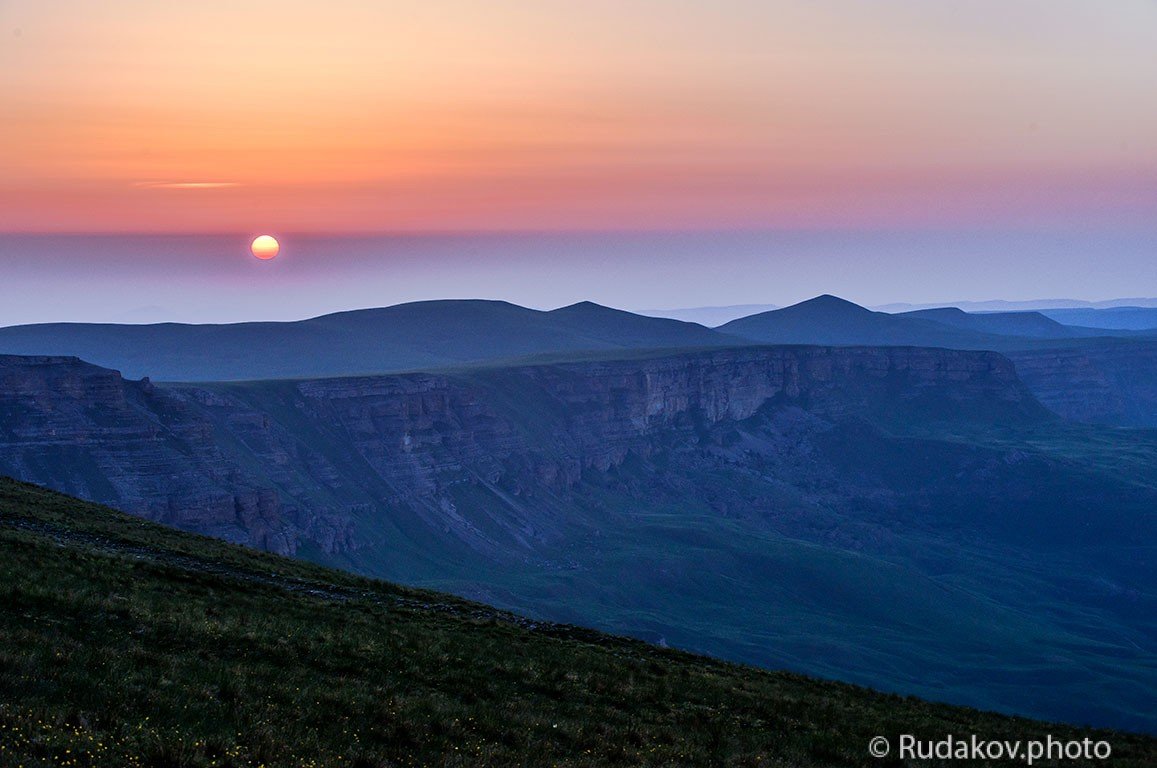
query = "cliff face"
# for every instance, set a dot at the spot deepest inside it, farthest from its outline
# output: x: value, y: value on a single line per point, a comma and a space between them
x: 84, y: 430
x: 328, y: 463
x: 1110, y: 383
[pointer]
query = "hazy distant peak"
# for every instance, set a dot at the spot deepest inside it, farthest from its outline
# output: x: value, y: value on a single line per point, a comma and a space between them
x: 589, y: 310
x: 583, y: 306
x: 938, y: 312
x: 1003, y: 305
x: 828, y: 303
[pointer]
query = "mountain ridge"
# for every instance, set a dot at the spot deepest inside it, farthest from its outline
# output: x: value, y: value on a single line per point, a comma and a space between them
x: 366, y: 341
x: 1084, y: 374
x: 1033, y: 324
x: 1078, y: 372
x: 828, y: 319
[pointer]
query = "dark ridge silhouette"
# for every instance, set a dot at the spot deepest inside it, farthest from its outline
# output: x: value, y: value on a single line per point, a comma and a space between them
x: 831, y: 320
x: 406, y: 336
x: 1030, y: 324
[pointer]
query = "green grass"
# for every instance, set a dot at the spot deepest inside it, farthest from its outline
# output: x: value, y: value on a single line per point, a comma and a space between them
x: 125, y: 643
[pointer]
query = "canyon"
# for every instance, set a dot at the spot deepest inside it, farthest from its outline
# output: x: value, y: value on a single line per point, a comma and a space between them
x: 910, y: 519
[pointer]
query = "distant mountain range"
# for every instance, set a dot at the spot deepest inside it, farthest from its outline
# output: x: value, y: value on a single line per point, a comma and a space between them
x: 406, y: 336
x: 1000, y: 305
x: 1024, y: 324
x: 1086, y: 313
x: 1122, y: 318
x: 438, y: 333
x: 832, y: 320
x: 1089, y: 374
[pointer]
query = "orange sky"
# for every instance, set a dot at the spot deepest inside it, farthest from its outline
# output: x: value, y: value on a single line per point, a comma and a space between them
x: 127, y: 115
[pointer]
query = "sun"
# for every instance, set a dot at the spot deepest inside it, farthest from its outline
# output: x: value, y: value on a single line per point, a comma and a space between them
x: 265, y: 247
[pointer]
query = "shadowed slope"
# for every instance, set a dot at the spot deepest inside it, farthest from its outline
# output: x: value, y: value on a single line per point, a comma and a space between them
x: 126, y: 643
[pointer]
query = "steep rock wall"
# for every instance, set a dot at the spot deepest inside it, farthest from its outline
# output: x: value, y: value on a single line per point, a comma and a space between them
x: 1113, y: 383
x: 325, y: 463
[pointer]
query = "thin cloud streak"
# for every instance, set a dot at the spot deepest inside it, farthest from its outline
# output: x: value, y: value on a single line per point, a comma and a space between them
x: 186, y: 184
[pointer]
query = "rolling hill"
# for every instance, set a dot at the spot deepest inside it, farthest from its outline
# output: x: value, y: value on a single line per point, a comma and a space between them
x: 1028, y: 324
x: 831, y: 320
x: 1074, y: 371
x: 125, y: 643
x: 407, y: 336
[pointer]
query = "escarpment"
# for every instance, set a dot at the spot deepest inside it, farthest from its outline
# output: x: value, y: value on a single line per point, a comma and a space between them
x: 1112, y: 383
x: 328, y: 464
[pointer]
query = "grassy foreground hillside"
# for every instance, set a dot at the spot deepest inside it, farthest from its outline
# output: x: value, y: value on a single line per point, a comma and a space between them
x: 125, y: 643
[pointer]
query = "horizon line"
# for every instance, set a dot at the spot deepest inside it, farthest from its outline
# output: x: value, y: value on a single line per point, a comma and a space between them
x: 638, y: 312
x: 506, y: 231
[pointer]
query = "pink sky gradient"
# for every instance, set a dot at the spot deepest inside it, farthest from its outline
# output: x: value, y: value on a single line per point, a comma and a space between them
x: 336, y: 117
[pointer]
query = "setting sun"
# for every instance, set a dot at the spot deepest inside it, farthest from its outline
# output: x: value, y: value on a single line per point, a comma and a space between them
x: 265, y: 247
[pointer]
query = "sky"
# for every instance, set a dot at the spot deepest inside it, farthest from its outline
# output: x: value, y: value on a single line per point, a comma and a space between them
x: 894, y: 119
x: 211, y: 278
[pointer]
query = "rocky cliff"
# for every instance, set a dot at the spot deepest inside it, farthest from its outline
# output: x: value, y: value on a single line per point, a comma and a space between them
x: 85, y: 430
x: 330, y: 464
x: 1104, y: 382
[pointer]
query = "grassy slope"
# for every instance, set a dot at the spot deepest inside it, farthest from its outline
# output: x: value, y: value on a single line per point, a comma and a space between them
x: 126, y: 643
